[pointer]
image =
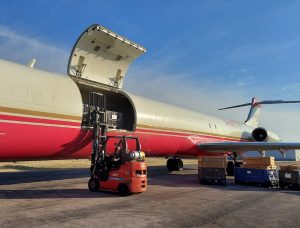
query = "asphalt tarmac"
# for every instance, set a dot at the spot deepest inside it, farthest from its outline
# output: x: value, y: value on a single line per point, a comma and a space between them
x: 60, y: 198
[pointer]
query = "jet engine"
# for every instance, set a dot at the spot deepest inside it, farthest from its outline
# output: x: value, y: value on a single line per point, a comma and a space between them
x: 260, y: 134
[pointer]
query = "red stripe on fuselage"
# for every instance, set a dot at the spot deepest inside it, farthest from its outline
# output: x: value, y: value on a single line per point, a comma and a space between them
x: 40, y: 141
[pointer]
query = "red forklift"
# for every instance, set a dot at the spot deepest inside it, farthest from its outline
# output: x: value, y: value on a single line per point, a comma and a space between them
x: 122, y: 171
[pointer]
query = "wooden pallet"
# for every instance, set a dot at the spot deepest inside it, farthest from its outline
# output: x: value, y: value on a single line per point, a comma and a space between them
x: 290, y: 167
x: 258, y: 166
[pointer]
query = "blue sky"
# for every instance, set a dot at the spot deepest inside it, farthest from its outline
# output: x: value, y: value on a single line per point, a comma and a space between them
x: 200, y: 54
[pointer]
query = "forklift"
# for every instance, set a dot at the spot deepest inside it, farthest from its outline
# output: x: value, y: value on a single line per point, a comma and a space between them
x: 124, y: 171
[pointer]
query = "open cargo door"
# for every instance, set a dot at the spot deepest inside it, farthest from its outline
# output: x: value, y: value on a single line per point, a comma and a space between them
x: 102, y: 56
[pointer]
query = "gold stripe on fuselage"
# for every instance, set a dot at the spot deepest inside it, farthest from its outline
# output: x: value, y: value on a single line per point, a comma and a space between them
x: 39, y: 113
x: 188, y: 131
x: 77, y: 118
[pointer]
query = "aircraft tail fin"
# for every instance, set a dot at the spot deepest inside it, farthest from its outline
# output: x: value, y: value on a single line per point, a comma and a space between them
x: 254, y: 113
x: 31, y: 63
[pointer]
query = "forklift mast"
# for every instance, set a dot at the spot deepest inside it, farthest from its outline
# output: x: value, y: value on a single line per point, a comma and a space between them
x: 97, y: 122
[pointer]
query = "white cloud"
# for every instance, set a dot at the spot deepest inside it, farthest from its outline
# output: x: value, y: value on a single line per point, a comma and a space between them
x: 21, y: 48
x: 254, y: 50
x: 207, y: 97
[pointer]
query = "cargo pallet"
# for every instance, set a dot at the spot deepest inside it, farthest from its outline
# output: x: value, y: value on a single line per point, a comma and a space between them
x: 289, y: 179
x: 257, y: 177
x: 215, y: 176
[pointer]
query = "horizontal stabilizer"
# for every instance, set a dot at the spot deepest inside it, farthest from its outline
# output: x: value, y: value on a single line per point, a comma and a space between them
x: 254, y: 113
x: 260, y: 103
x: 224, y: 147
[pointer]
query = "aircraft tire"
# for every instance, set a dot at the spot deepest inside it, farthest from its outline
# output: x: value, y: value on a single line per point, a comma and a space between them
x: 179, y: 164
x: 174, y: 164
x: 93, y: 184
x: 230, y: 168
x: 170, y: 164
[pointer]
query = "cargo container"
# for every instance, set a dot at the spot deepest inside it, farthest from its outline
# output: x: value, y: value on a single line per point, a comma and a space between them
x: 212, y: 175
x: 289, y: 179
x: 259, y: 177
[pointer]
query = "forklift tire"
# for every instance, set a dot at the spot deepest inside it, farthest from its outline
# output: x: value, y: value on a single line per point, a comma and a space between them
x: 123, y: 190
x: 94, y: 185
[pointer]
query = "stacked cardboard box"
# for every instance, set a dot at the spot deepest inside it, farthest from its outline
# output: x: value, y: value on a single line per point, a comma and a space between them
x: 291, y: 167
x: 212, y: 161
x: 259, y: 163
x: 212, y: 169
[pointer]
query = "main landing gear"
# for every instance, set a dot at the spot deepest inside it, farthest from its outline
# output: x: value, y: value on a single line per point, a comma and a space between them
x: 174, y: 164
x: 232, y: 164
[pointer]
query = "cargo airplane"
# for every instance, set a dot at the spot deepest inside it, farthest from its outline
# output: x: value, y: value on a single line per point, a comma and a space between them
x: 44, y: 115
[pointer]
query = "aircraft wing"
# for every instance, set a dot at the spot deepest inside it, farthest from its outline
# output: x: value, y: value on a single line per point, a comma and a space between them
x: 224, y: 147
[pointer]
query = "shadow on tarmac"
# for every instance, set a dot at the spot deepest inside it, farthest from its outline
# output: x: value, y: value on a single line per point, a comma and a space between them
x: 157, y: 175
x: 38, y: 176
x: 26, y: 168
x: 54, y: 193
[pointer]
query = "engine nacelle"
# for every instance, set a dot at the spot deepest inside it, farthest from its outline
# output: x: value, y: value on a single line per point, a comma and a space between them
x: 260, y: 134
